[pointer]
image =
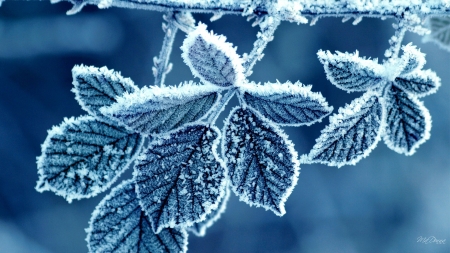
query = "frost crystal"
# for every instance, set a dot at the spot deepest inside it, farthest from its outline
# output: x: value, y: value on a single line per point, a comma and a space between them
x: 351, y: 134
x: 180, y: 178
x: 98, y: 87
x: 158, y: 110
x: 199, y: 228
x: 262, y: 162
x: 212, y: 59
x: 83, y: 157
x: 119, y: 225
x: 286, y: 103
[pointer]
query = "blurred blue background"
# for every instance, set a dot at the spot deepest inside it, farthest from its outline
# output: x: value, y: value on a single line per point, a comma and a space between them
x: 383, y: 204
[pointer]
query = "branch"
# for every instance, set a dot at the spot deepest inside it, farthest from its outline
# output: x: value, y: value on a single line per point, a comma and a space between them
x: 283, y: 10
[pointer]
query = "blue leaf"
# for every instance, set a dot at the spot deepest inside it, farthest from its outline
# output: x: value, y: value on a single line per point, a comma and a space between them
x: 83, y: 157
x: 262, y: 162
x: 413, y: 59
x: 118, y: 224
x: 212, y: 59
x: 419, y: 83
x: 157, y: 110
x: 180, y: 178
x: 98, y: 87
x: 350, y: 72
x: 286, y: 104
x: 351, y: 135
x: 199, y: 228
x: 408, y: 122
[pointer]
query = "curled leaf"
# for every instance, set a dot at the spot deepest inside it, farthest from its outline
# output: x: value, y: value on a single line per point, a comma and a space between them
x: 83, y: 157
x: 179, y: 178
x: 119, y: 225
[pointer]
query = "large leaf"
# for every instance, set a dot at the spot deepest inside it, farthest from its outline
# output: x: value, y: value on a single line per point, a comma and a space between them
x: 350, y: 72
x: 212, y: 59
x: 351, y: 135
x: 286, y: 104
x: 118, y: 224
x: 408, y: 122
x: 83, y: 157
x: 440, y: 31
x: 180, y: 178
x: 262, y: 163
x: 420, y: 83
x: 98, y: 87
x: 199, y: 228
x: 157, y: 110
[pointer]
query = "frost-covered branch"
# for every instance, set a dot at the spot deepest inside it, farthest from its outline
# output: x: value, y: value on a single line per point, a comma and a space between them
x: 285, y: 10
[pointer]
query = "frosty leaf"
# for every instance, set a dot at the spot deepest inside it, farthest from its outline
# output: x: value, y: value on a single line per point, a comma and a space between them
x: 286, y: 104
x: 83, y: 157
x: 118, y: 224
x: 158, y: 110
x: 212, y: 59
x: 408, y: 122
x: 440, y: 31
x: 98, y: 87
x: 351, y: 134
x: 419, y: 83
x: 350, y: 72
x: 414, y: 59
x: 262, y: 162
x: 180, y: 178
x: 199, y: 228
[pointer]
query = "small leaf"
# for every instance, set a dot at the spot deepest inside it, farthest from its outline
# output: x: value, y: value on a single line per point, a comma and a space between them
x: 83, y: 157
x: 286, y: 104
x: 413, y: 59
x: 262, y: 162
x: 180, y: 178
x: 118, y: 224
x: 419, y: 83
x: 212, y: 59
x: 199, y: 228
x: 156, y: 110
x: 350, y: 72
x: 351, y: 135
x: 98, y: 87
x: 440, y: 31
x: 408, y: 122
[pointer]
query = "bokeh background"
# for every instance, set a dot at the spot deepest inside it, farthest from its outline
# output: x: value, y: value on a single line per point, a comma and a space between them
x: 383, y: 204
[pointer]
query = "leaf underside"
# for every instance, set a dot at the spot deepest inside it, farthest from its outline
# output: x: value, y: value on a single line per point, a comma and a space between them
x: 408, y: 122
x: 179, y: 178
x: 98, y: 87
x: 162, y: 115
x: 119, y: 225
x: 262, y: 164
x: 83, y: 157
x: 351, y: 134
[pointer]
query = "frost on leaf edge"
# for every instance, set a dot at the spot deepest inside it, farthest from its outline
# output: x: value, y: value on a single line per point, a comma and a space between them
x: 290, y: 146
x: 288, y: 87
x: 83, y: 70
x: 219, y: 41
x: 222, y: 188
x: 42, y: 185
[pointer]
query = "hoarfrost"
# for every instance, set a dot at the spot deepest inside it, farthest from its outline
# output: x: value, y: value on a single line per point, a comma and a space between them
x: 181, y: 161
x: 258, y: 174
x: 118, y: 224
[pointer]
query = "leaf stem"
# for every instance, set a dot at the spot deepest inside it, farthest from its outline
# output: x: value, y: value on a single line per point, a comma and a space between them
x: 216, y: 110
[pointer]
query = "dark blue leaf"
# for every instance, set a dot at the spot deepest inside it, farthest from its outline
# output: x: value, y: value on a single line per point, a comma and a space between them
x: 83, y: 157
x: 351, y: 135
x: 118, y: 224
x: 262, y: 163
x: 408, y: 122
x: 180, y: 178
x: 286, y: 104
x: 419, y: 83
